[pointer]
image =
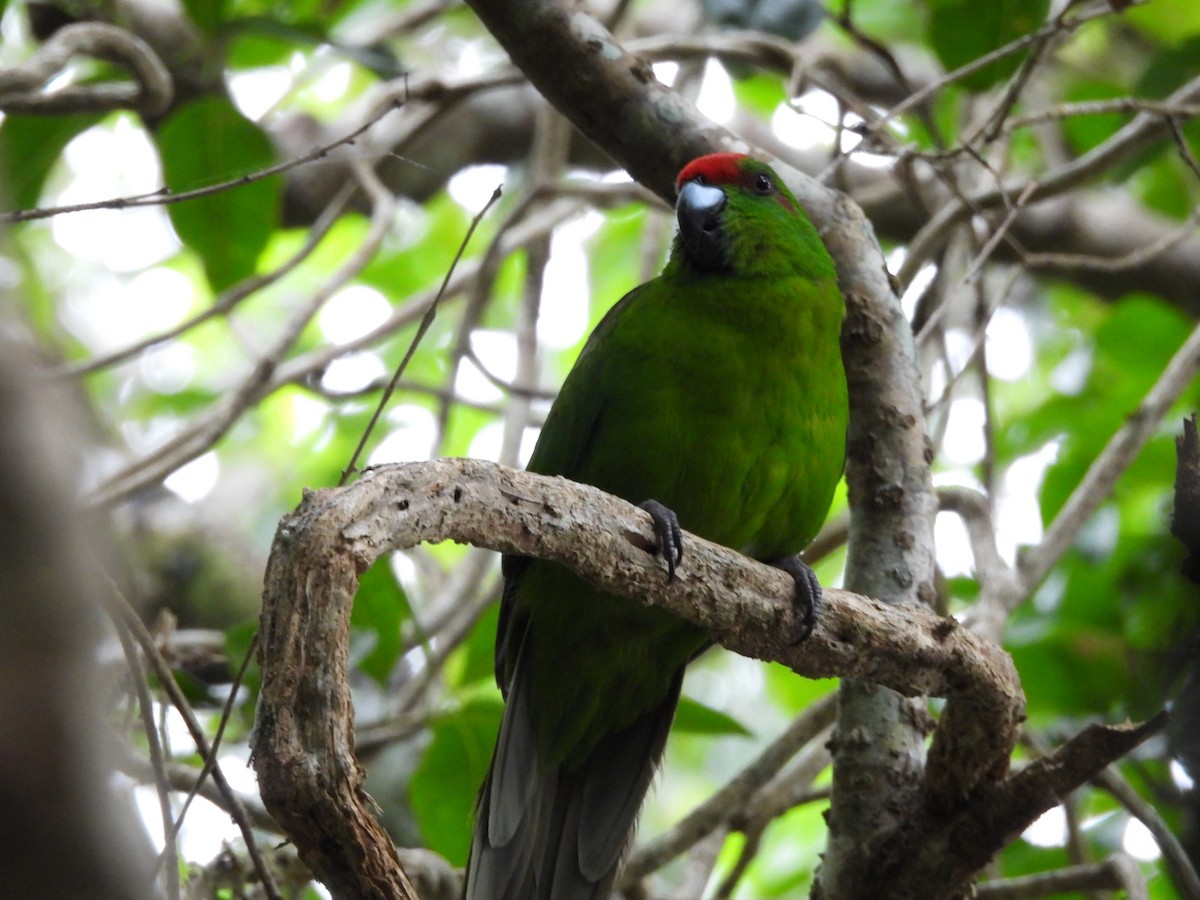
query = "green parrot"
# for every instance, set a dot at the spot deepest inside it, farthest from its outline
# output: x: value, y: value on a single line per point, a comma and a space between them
x: 715, y: 396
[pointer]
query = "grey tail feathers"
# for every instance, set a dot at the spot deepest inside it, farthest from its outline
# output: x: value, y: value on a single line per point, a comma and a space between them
x: 557, y: 834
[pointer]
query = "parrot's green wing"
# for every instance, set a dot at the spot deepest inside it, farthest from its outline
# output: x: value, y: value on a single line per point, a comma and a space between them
x: 610, y: 784
x: 569, y: 431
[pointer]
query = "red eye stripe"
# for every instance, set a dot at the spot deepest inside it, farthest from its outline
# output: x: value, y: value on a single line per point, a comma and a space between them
x: 717, y: 168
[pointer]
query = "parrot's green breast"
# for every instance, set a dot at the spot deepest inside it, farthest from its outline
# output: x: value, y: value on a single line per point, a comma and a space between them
x: 722, y: 398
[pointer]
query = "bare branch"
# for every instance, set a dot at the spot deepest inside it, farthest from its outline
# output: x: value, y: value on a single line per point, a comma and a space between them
x: 1120, y: 451
x: 208, y: 428
x: 731, y: 798
x: 1179, y: 865
x: 120, y: 607
x: 22, y: 88
x: 141, y: 687
x: 305, y: 719
x: 1119, y: 872
x: 950, y: 849
x: 1014, y: 46
x: 1143, y: 130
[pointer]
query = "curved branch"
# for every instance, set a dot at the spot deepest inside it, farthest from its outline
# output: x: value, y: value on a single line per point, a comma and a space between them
x: 22, y: 88
x: 303, y: 745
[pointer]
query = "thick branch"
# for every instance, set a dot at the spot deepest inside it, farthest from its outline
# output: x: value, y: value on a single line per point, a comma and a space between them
x: 945, y: 851
x: 610, y: 95
x: 303, y: 751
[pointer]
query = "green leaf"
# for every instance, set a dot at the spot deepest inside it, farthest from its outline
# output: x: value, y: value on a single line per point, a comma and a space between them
x: 208, y: 142
x: 883, y: 20
x: 444, y: 787
x: 380, y: 606
x: 1078, y: 673
x: 266, y: 40
x: 1132, y: 344
x: 1170, y: 22
x: 239, y: 642
x: 475, y: 660
x: 209, y: 15
x: 29, y: 148
x: 760, y: 93
x: 694, y: 717
x: 961, y: 31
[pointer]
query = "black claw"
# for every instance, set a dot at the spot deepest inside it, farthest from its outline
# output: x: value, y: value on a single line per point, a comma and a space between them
x: 668, y: 532
x: 808, y: 593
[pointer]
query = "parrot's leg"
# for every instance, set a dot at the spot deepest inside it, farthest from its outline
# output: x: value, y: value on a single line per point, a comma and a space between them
x: 808, y: 593
x: 668, y: 532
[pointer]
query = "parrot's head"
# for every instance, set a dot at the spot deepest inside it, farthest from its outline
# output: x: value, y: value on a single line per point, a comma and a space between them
x: 736, y: 216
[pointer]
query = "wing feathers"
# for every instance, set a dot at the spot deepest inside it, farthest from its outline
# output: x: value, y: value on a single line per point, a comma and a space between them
x: 549, y: 833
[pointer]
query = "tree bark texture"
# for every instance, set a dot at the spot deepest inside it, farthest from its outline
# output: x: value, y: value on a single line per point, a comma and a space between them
x: 304, y: 749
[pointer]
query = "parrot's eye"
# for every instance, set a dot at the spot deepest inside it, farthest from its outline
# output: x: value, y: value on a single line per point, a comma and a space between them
x: 762, y: 183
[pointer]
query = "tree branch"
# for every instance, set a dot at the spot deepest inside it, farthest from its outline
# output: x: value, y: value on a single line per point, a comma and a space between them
x: 732, y: 798
x: 303, y: 750
x: 22, y: 88
x: 945, y: 851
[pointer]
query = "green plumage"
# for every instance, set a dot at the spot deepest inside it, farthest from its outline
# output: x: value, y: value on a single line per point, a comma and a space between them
x: 716, y: 389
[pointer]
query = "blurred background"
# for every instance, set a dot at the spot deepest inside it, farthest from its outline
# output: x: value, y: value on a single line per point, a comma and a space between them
x: 176, y: 372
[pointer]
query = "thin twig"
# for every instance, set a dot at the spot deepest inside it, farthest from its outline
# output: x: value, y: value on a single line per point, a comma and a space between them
x: 165, y: 195
x: 717, y: 808
x: 1012, y: 92
x: 224, y: 302
x: 750, y: 847
x: 1183, y: 147
x: 182, y: 778
x: 457, y: 630
x: 211, y: 759
x: 1179, y: 865
x: 1141, y: 131
x: 1118, y: 872
x: 121, y: 607
x: 999, y: 234
x: 1131, y: 260
x: 1120, y: 451
x: 1115, y: 105
x: 426, y: 321
x: 1014, y: 46
x: 210, y: 427
x: 137, y: 671
x: 304, y: 367
x: 477, y: 299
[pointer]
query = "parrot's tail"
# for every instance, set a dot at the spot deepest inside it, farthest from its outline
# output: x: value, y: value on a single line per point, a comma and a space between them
x: 559, y: 834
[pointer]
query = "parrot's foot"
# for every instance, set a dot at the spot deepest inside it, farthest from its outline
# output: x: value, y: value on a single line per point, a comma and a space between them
x: 668, y: 532
x: 808, y: 593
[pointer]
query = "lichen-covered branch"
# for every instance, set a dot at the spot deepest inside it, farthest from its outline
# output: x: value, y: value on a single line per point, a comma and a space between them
x: 303, y: 750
